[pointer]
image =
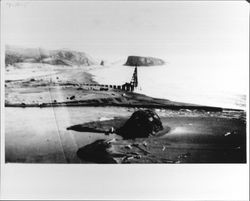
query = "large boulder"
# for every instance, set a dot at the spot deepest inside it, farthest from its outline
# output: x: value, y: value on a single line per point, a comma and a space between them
x: 141, y: 124
x: 143, y: 61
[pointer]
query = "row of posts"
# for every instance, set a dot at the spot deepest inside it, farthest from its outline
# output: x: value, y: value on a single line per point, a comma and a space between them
x: 124, y: 87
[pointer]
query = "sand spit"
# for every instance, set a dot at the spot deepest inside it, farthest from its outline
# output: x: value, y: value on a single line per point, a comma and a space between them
x: 51, y: 91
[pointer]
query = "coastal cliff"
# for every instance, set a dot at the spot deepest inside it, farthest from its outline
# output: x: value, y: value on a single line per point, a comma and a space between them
x: 53, y: 57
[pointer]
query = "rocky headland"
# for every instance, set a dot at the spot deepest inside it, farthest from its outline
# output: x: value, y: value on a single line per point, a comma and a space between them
x: 54, y: 57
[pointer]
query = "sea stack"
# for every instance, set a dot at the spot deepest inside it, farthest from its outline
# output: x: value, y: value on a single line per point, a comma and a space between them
x: 143, y: 61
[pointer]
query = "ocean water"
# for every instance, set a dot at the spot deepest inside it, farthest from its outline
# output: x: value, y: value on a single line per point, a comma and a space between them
x: 213, y: 84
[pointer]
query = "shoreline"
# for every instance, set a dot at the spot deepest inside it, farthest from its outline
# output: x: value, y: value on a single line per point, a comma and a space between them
x: 89, y: 104
x: 54, y: 90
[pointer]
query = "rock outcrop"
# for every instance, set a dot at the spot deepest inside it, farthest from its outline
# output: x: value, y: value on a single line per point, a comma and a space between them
x: 143, y: 61
x: 142, y: 124
x: 149, y: 150
x: 99, y: 151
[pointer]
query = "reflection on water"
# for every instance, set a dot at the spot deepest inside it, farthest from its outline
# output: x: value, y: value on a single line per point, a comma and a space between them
x: 40, y: 134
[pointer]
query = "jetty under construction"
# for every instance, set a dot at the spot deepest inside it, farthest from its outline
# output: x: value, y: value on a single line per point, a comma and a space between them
x: 128, y: 86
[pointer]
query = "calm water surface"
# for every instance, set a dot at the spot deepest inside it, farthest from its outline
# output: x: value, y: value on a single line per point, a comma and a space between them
x: 40, y: 134
x: 185, y: 80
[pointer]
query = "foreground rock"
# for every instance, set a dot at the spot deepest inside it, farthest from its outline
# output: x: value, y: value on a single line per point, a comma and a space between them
x: 141, y: 124
x: 98, y: 152
x: 201, y: 139
x: 124, y: 151
x: 143, y: 61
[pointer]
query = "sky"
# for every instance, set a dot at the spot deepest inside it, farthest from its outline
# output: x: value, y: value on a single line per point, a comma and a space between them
x: 210, y: 38
x: 109, y: 29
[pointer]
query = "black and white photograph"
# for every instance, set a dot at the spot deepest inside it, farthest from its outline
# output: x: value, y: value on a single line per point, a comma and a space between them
x: 125, y: 82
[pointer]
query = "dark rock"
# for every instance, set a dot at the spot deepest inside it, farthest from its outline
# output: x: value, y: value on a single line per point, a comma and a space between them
x: 106, y: 126
x: 72, y: 97
x: 143, y: 61
x: 97, y: 152
x: 141, y: 124
x: 104, y: 89
x: 124, y: 151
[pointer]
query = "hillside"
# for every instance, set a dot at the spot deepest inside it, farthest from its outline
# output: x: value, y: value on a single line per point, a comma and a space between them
x: 54, y: 57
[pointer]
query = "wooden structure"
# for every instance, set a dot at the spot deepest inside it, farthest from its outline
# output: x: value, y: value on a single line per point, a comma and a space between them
x: 125, y: 87
x: 134, y: 80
